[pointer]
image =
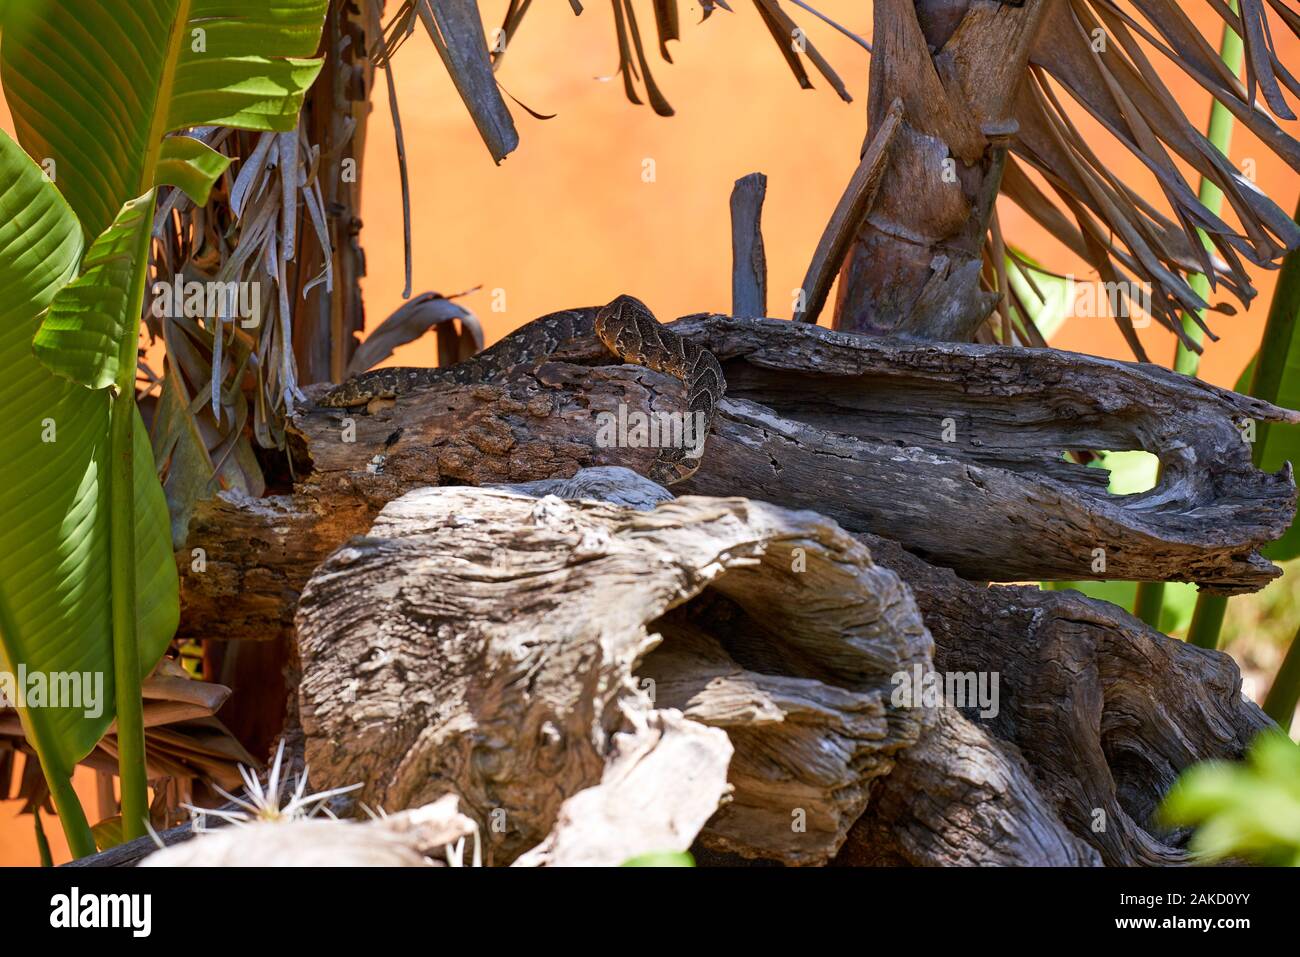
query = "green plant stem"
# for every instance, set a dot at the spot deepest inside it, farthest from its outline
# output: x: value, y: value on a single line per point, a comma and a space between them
x: 1207, y: 620
x: 126, y: 648
x: 1280, y: 330
x: 1150, y: 602
x: 1283, y: 696
x: 72, y: 817
x: 42, y: 843
x: 1282, y: 327
x: 1219, y: 133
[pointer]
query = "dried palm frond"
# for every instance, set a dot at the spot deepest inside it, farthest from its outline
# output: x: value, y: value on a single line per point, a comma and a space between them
x: 471, y: 60
x: 245, y: 243
x: 411, y: 321
x: 186, y: 746
x: 1097, y: 53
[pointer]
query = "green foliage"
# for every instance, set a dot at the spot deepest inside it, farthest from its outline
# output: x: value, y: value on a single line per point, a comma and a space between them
x: 96, y: 86
x: 660, y: 859
x: 87, y: 578
x: 54, y: 566
x: 86, y: 336
x: 1250, y: 809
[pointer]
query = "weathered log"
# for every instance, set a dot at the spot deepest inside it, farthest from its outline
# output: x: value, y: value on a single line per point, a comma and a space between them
x: 486, y: 644
x: 956, y: 451
x: 748, y: 260
x: 854, y: 427
x: 1106, y: 710
x: 960, y: 797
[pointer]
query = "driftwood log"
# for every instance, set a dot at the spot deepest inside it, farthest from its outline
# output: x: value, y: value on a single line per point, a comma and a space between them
x: 952, y: 451
x: 1105, y: 710
x: 493, y: 645
x: 955, y: 451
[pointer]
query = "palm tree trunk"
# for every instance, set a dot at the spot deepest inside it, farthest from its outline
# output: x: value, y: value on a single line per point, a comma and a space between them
x: 914, y: 268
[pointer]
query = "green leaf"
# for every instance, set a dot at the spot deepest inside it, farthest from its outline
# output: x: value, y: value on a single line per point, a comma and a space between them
x: 108, y: 832
x: 1250, y: 809
x: 1274, y: 375
x: 660, y: 859
x: 55, y: 613
x: 87, y: 332
x: 96, y: 87
x: 190, y: 165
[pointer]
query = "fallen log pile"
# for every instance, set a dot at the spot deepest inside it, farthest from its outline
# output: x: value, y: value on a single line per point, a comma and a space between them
x: 509, y: 649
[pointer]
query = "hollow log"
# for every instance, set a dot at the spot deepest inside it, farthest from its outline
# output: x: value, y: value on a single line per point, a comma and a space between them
x: 490, y: 645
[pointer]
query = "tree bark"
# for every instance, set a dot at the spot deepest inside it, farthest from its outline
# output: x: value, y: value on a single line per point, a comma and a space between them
x: 494, y: 646
x: 335, y: 113
x: 1106, y: 710
x: 956, y: 66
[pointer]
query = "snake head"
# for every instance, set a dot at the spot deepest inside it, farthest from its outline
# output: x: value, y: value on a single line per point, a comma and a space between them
x: 628, y: 306
x: 622, y: 325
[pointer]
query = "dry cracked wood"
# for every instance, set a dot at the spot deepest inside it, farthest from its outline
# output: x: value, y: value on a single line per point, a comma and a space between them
x: 960, y: 797
x: 1106, y: 710
x: 956, y: 451
x: 1097, y: 715
x: 487, y: 644
x: 851, y: 426
x: 663, y: 782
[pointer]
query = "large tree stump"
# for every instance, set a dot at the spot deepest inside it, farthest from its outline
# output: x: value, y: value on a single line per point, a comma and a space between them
x: 491, y: 645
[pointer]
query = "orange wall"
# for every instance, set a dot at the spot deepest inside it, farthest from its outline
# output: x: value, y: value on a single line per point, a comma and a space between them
x: 18, y: 835
x: 566, y: 219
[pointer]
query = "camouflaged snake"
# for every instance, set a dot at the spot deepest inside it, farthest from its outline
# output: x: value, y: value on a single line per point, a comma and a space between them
x: 626, y: 327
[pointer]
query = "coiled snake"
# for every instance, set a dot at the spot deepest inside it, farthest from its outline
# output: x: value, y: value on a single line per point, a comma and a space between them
x: 627, y: 328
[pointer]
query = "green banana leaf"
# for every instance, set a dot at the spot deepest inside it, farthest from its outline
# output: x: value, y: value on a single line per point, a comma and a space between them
x: 55, y: 613
x: 96, y: 87
x: 90, y: 330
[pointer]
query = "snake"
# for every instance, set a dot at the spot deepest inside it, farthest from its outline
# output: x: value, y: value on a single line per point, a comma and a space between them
x: 625, y: 326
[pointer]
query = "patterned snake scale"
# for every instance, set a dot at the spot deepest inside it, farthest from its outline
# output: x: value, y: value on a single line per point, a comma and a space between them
x: 627, y: 328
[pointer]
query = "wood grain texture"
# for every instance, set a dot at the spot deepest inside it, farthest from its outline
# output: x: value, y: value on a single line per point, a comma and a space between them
x: 961, y: 798
x: 748, y: 260
x: 1105, y: 710
x: 859, y: 427
x: 491, y: 645
x: 851, y: 426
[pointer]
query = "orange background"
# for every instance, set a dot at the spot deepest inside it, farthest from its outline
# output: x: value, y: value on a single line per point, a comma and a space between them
x: 567, y: 220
